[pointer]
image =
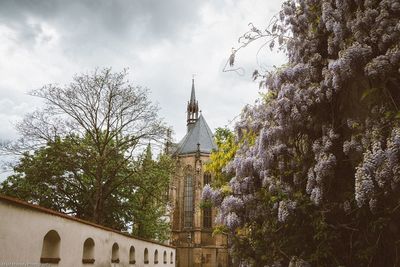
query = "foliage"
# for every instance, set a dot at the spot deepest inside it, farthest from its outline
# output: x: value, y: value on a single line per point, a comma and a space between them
x: 148, y: 201
x: 227, y: 146
x: 59, y: 176
x: 320, y: 184
x: 79, y: 149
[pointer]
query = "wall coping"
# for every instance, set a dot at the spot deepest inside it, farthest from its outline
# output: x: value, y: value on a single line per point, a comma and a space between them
x: 18, y: 202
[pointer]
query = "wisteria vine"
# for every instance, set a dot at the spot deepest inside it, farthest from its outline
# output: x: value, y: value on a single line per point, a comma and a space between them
x: 328, y: 127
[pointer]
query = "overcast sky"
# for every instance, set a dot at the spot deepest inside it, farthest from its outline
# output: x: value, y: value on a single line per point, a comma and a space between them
x: 161, y: 42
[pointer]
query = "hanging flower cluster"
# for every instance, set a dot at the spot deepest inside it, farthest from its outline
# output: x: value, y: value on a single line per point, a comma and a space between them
x: 328, y: 128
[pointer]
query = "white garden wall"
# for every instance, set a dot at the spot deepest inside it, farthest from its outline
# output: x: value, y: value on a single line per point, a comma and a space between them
x: 23, y: 228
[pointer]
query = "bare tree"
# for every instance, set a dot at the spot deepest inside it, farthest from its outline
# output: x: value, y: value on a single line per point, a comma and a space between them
x: 107, y: 110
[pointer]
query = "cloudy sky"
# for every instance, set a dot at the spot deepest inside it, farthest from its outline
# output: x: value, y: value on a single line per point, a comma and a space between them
x: 161, y: 42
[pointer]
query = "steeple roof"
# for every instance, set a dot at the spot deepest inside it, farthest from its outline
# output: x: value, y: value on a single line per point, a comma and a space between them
x: 192, y: 94
x: 192, y: 109
x: 199, y: 134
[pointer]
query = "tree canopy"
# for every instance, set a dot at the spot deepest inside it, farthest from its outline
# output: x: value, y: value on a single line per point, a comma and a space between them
x: 82, y: 153
x: 225, y: 141
x: 319, y: 186
x: 149, y: 202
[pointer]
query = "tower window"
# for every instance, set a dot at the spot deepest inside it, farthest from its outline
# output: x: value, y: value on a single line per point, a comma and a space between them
x: 207, y: 210
x: 188, y: 208
x: 207, y: 217
x: 207, y: 178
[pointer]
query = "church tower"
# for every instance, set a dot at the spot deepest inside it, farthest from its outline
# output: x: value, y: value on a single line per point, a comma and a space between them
x: 192, y: 109
x: 191, y: 224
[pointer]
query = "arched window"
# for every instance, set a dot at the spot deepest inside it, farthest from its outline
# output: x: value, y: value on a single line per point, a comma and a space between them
x: 88, y: 251
x: 132, y: 259
x: 207, y: 211
x: 188, y: 207
x: 207, y: 217
x: 115, y: 253
x: 51, y: 248
x: 207, y: 178
x: 171, y: 259
x: 165, y: 257
x: 156, y: 256
x: 146, y: 256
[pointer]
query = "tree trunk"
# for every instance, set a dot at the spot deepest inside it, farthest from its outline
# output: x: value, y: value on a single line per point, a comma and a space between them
x: 98, y: 207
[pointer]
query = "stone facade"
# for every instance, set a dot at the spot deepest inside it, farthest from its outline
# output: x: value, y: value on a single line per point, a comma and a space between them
x: 195, y: 245
x: 192, y: 226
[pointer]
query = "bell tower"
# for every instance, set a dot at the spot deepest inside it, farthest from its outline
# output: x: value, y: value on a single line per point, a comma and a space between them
x: 191, y: 224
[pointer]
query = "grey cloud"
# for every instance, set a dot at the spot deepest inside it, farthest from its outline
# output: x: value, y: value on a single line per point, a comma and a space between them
x: 93, y: 21
x: 162, y: 42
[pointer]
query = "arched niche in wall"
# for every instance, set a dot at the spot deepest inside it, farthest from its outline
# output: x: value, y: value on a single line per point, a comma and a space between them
x: 51, y: 247
x: 165, y: 257
x: 132, y: 259
x: 146, y: 256
x: 115, y: 253
x: 171, y: 259
x: 156, y: 256
x: 88, y: 251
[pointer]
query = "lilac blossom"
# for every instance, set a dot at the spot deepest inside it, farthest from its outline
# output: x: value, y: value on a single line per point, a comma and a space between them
x: 232, y: 220
x: 207, y: 192
x: 286, y: 207
x: 329, y: 118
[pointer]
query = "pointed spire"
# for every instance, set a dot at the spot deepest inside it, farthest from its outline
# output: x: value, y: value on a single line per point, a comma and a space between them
x: 192, y: 94
x: 192, y: 108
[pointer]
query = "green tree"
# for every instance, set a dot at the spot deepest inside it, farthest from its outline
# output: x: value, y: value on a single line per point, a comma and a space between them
x: 78, y: 150
x: 61, y: 176
x: 226, y: 149
x: 149, y: 200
